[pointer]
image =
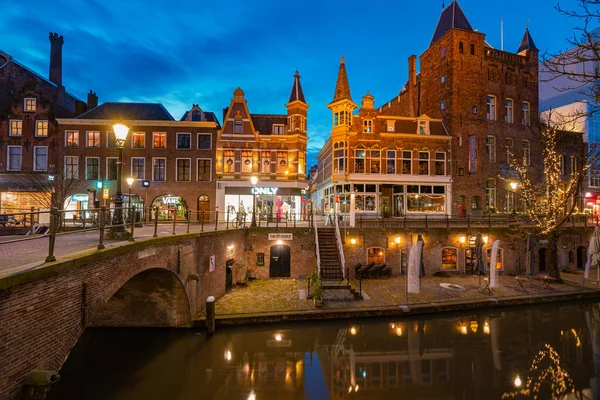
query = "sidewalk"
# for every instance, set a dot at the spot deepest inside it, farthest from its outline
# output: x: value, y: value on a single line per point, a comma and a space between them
x: 265, y: 300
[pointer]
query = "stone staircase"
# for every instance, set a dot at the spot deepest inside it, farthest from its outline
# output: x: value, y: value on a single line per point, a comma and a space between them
x: 329, y: 256
x: 339, y: 290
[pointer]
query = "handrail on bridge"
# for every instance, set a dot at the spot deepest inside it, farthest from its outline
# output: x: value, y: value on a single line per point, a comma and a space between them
x: 340, y: 247
x: 317, y: 251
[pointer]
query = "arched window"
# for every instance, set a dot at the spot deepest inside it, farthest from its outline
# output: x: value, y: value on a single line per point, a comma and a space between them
x: 339, y: 158
x: 499, y: 259
x: 203, y: 206
x: 375, y: 255
x: 196, y: 115
x: 461, y: 48
x: 449, y: 258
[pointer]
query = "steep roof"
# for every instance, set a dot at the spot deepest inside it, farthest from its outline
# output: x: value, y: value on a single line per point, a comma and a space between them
x: 129, y: 111
x: 263, y: 123
x: 297, y: 93
x: 452, y: 17
x: 342, y: 88
x: 209, y: 115
x: 527, y: 42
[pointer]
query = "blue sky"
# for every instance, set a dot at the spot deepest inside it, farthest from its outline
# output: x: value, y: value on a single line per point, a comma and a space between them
x: 180, y: 52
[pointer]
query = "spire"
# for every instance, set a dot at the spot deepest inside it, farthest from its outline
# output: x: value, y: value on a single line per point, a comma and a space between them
x: 452, y: 17
x: 297, y: 93
x: 527, y: 42
x: 342, y: 88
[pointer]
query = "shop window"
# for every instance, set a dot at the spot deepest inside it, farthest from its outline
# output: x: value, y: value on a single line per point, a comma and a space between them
x: 490, y: 148
x: 246, y: 161
x: 375, y: 161
x: 72, y: 139
x: 159, y: 169
x: 183, y: 169
x: 375, y: 255
x: 30, y: 104
x: 449, y: 258
x: 499, y: 258
x: 508, y: 111
x: 391, y: 162
x: 440, y: 163
x: 407, y: 162
x: 71, y: 167
x: 93, y: 139
x: 170, y: 206
x: 111, y: 139
x: 238, y: 127
x: 138, y: 140
x: 159, y: 140
x: 423, y: 163
x: 14, y: 155
x: 425, y: 199
x: 111, y: 168
x: 184, y: 141
x: 40, y: 158
x: 265, y: 162
x: 282, y: 162
x: 359, y: 161
x: 490, y: 108
x: 138, y: 167
x: 16, y: 127
x: 92, y: 168
x: 490, y: 194
x: 204, y: 169
x: 204, y: 141
x: 229, y: 161
x: 41, y: 128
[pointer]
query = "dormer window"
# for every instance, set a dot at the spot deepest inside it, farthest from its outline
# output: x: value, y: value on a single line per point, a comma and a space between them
x: 196, y: 115
x: 30, y: 104
x: 423, y: 128
x: 277, y: 129
x: 238, y: 127
x: 368, y: 126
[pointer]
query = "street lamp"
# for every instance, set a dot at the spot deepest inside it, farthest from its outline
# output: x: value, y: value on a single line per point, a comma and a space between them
x: 513, y: 185
x: 130, y: 183
x: 121, y: 132
x: 254, y: 181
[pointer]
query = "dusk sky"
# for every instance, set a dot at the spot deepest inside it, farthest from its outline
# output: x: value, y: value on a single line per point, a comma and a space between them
x: 180, y: 52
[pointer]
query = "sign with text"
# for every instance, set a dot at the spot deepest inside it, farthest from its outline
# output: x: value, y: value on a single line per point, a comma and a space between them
x: 105, y: 193
x: 281, y: 236
x: 264, y: 190
x: 211, y: 263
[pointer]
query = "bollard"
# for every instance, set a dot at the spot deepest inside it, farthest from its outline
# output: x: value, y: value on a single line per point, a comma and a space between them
x: 187, y: 214
x: 155, y: 222
x: 132, y: 211
x: 102, y: 222
x: 174, y: 219
x: 216, y: 220
x: 210, y: 314
x: 227, y: 221
x: 202, y: 222
x: 31, y: 221
x: 52, y: 238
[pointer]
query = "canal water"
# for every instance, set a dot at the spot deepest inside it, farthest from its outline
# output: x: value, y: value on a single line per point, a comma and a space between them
x: 543, y: 352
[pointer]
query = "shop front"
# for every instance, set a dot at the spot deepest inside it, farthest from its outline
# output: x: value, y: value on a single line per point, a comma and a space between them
x: 169, y: 206
x: 272, y: 203
x: 76, y: 204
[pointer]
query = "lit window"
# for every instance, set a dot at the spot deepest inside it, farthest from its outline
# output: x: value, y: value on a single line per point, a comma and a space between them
x: 228, y: 161
x: 391, y: 126
x: 282, y: 162
x: 93, y: 139
x: 183, y: 169
x: 490, y: 108
x: 375, y: 255
x: 16, y: 127
x: 265, y: 162
x: 159, y: 140
x: 368, y: 126
x: 72, y: 139
x: 41, y: 128
x: 449, y: 258
x: 247, y: 161
x: 203, y: 170
x: 499, y: 258
x: 138, y: 140
x: 30, y: 104
x: 423, y: 128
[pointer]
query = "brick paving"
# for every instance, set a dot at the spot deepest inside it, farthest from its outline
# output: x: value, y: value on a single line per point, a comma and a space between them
x: 283, y: 295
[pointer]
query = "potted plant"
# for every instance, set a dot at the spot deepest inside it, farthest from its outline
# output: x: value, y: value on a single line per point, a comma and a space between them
x: 317, y: 295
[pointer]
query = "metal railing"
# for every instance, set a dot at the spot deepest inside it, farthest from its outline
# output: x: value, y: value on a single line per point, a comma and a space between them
x: 340, y: 246
x: 314, y: 224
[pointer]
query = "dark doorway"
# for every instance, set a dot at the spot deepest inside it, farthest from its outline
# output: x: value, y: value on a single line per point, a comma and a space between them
x: 542, y: 260
x: 470, y: 260
x: 228, y: 275
x: 279, y: 266
x: 581, y: 257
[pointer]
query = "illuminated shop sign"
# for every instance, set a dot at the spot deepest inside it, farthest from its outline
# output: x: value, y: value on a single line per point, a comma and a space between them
x: 80, y: 197
x: 170, y: 200
x: 264, y: 190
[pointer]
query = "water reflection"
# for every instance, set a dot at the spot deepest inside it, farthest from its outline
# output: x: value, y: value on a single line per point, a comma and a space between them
x: 524, y: 353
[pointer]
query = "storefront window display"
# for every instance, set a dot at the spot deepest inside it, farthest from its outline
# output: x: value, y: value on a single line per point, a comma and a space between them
x: 425, y: 199
x: 271, y: 203
x: 76, y: 204
x: 169, y: 206
x: 16, y: 202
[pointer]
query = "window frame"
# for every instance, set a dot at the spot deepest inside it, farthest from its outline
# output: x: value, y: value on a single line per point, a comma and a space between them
x: 35, y: 148
x: 67, y: 138
x: 108, y: 140
x: 25, y: 108
x: 510, y: 149
x: 72, y: 176
x: 410, y: 161
x: 209, y: 169
x: 382, y: 255
x: 108, y: 178
x: 490, y: 194
x: 198, y: 134
x: 490, y: 148
x: 490, y: 107
x: 488, y: 258
x: 87, y: 177
x: 87, y: 139
x: 177, y: 169
x: 143, y: 135
x: 154, y: 134
x: 135, y: 176
x: 509, y: 110
x: 280, y: 127
x: 526, y: 113
x: 423, y: 160
x: 368, y: 125
x: 177, y: 135
x: 8, y: 168
x: 165, y: 169
x: 37, y: 128
x: 238, y: 124
x: 10, y: 128
x: 526, y: 152
x: 455, y: 258
x: 437, y: 161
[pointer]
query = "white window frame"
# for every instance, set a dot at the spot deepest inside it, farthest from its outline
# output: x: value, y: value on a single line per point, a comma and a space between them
x: 67, y: 139
x: 423, y: 159
x: 108, y: 169
x: 246, y: 169
x: 526, y: 147
x: 435, y: 161
x: 265, y: 168
x: 37, y: 122
x: 210, y: 169
x: 10, y: 127
x: 388, y: 158
x: 153, y: 176
x: 424, y: 125
x: 198, y: 140
x: 75, y: 176
x: 131, y: 168
x: 25, y: 104
x: 509, y: 110
x: 35, y: 149
x: 133, y: 141
x: 526, y: 110
x: 177, y: 169
x: 166, y: 140
x: 108, y: 146
x: 490, y: 194
x: 8, y: 158
x: 87, y: 178
x: 177, y: 140
x: 403, y: 158
x: 368, y: 125
x: 87, y: 139
x: 279, y: 127
x: 490, y: 148
x: 490, y: 107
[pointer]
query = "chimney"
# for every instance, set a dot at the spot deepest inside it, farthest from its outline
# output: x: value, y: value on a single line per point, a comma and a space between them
x: 92, y: 100
x: 412, y: 70
x: 56, y: 43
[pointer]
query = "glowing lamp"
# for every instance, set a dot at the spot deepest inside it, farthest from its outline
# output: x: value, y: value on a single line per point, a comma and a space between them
x: 278, y: 337
x: 588, y: 194
x: 486, y: 328
x: 254, y: 180
x: 485, y: 239
x: 353, y: 331
x: 129, y: 181
x: 462, y: 239
x: 121, y: 132
x: 518, y: 381
x: 463, y: 329
x: 397, y: 240
x: 353, y: 241
x: 513, y: 185
x: 279, y: 242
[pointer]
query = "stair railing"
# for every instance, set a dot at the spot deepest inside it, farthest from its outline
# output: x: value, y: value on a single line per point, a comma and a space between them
x: 338, y: 240
x: 315, y: 228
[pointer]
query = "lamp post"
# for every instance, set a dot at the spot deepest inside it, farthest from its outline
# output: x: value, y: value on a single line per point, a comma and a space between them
x: 513, y: 186
x: 130, y: 183
x: 254, y: 181
x: 121, y: 132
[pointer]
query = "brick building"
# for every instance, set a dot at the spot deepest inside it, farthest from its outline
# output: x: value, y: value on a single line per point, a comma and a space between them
x: 174, y: 158
x: 29, y: 139
x: 488, y: 100
x: 394, y: 165
x: 271, y: 147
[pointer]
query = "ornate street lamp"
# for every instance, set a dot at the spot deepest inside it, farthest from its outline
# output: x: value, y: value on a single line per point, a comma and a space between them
x: 254, y: 181
x: 121, y: 132
x: 130, y: 183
